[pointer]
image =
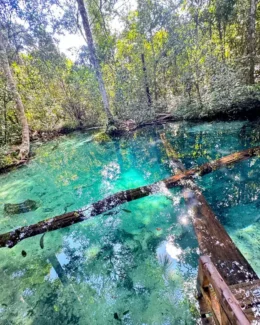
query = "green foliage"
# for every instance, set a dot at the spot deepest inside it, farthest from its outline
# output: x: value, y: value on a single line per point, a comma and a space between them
x: 194, y: 64
x: 102, y: 137
x: 225, y: 96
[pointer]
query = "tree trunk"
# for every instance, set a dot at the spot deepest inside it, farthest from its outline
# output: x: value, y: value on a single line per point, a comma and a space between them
x: 252, y: 41
x: 197, y: 72
x: 147, y: 89
x: 25, y: 146
x: 12, y: 238
x: 58, y: 269
x: 94, y: 60
x: 220, y: 32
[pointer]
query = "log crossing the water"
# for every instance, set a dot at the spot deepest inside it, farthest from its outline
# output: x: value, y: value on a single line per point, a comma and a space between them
x: 227, y: 283
x: 212, y: 237
x: 12, y: 238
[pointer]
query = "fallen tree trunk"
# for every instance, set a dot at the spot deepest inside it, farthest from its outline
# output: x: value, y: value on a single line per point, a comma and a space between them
x: 11, y: 238
x: 212, y: 237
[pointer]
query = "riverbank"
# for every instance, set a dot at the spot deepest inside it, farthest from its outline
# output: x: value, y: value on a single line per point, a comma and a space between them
x: 246, y: 111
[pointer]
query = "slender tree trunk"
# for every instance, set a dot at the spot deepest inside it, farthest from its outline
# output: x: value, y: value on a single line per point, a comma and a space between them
x: 220, y: 32
x: 155, y: 91
x: 252, y: 41
x: 25, y: 146
x: 147, y: 89
x: 94, y: 59
x: 197, y: 86
x: 5, y: 118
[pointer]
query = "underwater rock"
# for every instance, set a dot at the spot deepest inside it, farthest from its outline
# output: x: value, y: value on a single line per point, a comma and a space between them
x: 26, y: 206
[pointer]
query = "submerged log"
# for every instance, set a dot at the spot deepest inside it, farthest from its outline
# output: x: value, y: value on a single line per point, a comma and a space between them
x: 213, y: 239
x: 11, y: 238
x: 23, y: 207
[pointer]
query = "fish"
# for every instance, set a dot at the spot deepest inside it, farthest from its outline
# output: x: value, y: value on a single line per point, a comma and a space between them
x: 158, y: 229
x: 111, y: 213
x: 41, y: 241
x: 47, y: 210
x: 116, y: 317
x: 23, y: 253
x: 126, y: 312
x: 55, y: 146
x: 127, y: 211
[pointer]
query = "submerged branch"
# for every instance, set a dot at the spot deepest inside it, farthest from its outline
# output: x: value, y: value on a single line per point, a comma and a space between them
x: 11, y: 238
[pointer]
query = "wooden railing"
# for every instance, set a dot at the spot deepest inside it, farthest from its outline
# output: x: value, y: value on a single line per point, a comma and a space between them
x: 217, y: 296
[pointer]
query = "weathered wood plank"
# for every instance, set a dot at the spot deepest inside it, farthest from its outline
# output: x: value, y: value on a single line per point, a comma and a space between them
x: 212, y: 237
x: 248, y: 296
x: 215, y: 242
x: 11, y: 238
x: 233, y: 313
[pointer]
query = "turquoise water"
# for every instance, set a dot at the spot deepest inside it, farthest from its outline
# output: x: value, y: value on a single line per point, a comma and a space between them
x: 138, y: 264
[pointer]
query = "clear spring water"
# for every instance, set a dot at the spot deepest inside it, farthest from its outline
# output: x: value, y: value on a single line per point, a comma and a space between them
x: 134, y: 266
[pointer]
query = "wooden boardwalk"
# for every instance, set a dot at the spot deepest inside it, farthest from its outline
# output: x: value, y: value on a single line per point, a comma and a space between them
x: 229, y: 288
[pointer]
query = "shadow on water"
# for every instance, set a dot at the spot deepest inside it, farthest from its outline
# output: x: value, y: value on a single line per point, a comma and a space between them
x: 136, y: 264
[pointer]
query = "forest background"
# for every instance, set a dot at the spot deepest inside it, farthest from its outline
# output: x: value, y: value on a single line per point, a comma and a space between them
x: 190, y: 59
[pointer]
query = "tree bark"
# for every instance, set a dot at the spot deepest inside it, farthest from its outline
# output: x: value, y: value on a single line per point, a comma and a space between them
x: 25, y: 145
x: 147, y: 89
x: 94, y: 60
x: 11, y: 238
x: 252, y: 41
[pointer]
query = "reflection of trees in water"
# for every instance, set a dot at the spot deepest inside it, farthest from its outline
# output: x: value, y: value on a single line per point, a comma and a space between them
x: 58, y: 269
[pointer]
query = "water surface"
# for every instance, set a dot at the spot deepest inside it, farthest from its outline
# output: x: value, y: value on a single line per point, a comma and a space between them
x: 138, y: 263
